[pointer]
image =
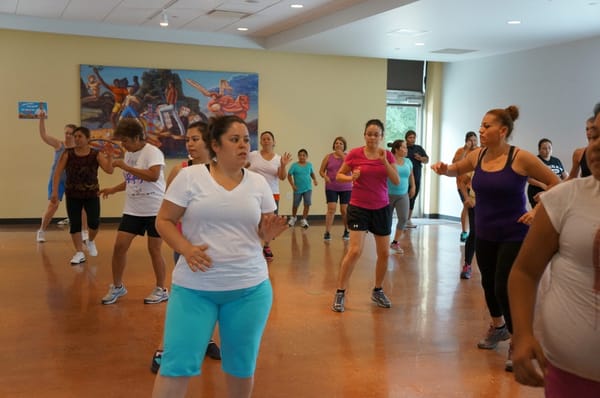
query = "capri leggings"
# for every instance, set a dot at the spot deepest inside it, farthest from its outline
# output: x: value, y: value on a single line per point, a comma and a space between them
x: 400, y: 203
x: 191, y: 317
x: 495, y: 260
x: 92, y: 209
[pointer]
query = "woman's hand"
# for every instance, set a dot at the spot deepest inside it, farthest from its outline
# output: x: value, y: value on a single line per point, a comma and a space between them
x: 440, y: 168
x: 528, y: 217
x: 271, y: 225
x: 196, y: 258
x: 526, y: 371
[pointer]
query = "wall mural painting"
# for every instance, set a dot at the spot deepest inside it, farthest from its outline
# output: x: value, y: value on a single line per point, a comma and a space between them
x: 165, y: 101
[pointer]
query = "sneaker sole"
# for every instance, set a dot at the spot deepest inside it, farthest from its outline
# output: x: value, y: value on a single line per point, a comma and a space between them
x: 146, y: 301
x: 78, y: 262
x: 114, y: 300
x: 337, y: 309
x: 380, y: 304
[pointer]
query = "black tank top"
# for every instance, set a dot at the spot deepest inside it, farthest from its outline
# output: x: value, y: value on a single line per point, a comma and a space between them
x: 82, y: 175
x: 585, y: 170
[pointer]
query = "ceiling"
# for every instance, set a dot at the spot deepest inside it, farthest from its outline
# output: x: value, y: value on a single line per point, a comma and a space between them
x: 447, y: 30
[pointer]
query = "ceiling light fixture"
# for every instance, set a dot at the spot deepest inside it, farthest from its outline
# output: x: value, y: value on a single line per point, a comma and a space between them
x: 514, y: 22
x: 164, y: 19
x: 419, y: 44
x: 242, y: 29
x: 296, y: 6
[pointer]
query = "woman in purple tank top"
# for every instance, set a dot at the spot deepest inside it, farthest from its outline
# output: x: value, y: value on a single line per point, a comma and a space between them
x: 334, y: 189
x: 501, y: 219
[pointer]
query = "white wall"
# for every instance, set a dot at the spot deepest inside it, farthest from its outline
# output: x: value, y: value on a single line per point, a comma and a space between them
x: 555, y: 88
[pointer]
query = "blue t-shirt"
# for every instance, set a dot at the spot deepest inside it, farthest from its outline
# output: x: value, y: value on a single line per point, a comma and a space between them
x: 301, y: 175
x: 404, y: 171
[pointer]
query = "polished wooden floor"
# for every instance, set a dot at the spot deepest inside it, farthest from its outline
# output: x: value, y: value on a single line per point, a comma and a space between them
x: 57, y: 340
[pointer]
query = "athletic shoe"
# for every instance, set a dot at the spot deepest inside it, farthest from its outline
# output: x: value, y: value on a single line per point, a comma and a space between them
x: 508, y: 365
x: 156, y: 359
x: 493, y: 337
x: 327, y: 236
x: 466, y: 271
x: 213, y: 351
x: 292, y: 221
x: 346, y: 235
x: 396, y: 247
x: 409, y: 224
x: 78, y: 258
x: 463, y: 236
x: 113, y: 294
x: 85, y: 235
x: 91, y: 247
x: 158, y: 295
x: 41, y: 236
x: 338, y: 301
x: 268, y: 253
x: 379, y: 297
x: 304, y: 223
x: 63, y: 222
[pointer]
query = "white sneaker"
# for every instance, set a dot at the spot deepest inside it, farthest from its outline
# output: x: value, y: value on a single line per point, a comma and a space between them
x: 78, y: 258
x: 91, y: 247
x: 292, y: 221
x: 113, y: 294
x: 304, y: 223
x: 41, y: 236
x: 63, y: 222
x: 158, y: 295
x: 85, y: 235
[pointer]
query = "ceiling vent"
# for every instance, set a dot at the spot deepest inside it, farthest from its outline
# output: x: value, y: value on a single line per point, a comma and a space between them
x: 227, y: 14
x: 453, y: 51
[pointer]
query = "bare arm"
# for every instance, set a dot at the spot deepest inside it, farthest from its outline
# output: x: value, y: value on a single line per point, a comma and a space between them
x: 540, y: 244
x: 60, y: 167
x: 151, y: 174
x: 166, y: 225
x: 323, y: 169
x: 53, y: 142
x: 465, y: 165
x: 291, y: 181
x: 342, y: 174
x: 106, y: 192
x: 285, y: 159
x: 105, y: 161
x: 411, y: 186
x: 577, y: 154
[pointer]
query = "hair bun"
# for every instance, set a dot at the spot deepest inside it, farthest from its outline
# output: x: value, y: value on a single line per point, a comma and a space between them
x: 513, y: 112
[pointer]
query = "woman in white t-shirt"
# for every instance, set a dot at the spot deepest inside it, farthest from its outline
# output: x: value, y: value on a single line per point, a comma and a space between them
x: 271, y: 166
x: 565, y: 233
x: 221, y: 275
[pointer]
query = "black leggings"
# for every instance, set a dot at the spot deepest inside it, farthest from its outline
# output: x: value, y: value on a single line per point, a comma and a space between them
x: 470, y: 243
x: 495, y: 260
x: 92, y: 210
x: 411, y: 201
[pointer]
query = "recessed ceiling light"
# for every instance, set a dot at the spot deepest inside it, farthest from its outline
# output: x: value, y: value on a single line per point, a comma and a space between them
x: 407, y: 32
x: 514, y: 22
x: 164, y: 19
x: 297, y: 6
x: 242, y: 29
x: 419, y: 44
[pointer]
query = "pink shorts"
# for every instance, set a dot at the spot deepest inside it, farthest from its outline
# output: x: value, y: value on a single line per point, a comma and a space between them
x: 561, y: 384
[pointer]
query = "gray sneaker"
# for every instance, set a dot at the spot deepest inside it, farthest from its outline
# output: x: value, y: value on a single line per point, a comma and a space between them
x: 379, y: 297
x: 508, y: 365
x: 493, y: 337
x: 338, y: 302
x: 113, y: 294
x: 158, y: 295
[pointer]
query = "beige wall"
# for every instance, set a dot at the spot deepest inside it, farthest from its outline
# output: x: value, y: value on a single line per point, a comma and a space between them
x: 305, y: 100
